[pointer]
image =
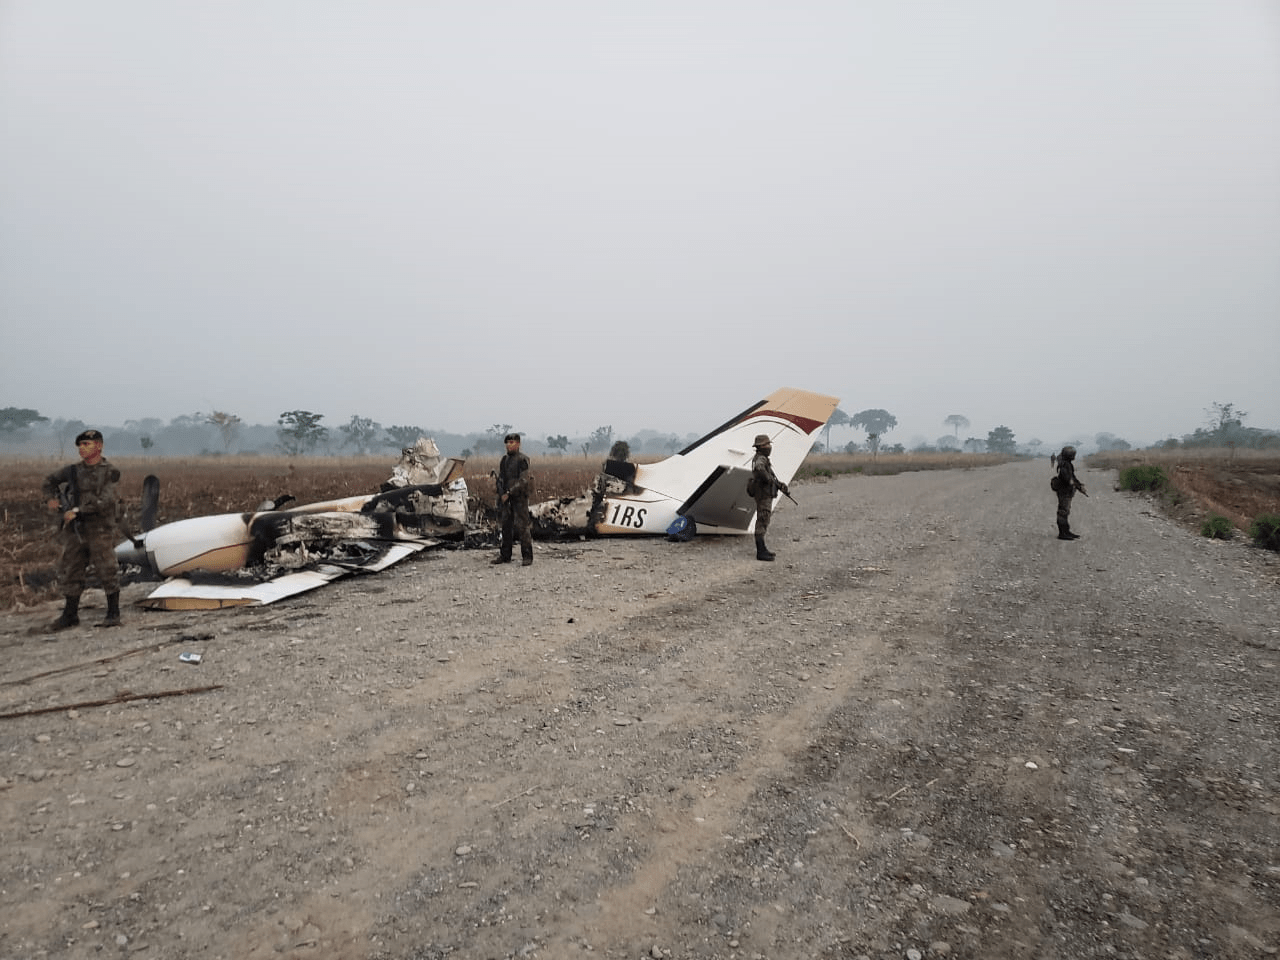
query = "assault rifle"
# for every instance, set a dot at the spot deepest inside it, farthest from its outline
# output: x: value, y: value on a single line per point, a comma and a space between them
x: 67, y: 497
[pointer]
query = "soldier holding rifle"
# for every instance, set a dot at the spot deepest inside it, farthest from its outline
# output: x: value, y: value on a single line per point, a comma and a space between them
x: 513, y: 482
x: 85, y: 494
x: 1065, y: 486
x: 764, y: 487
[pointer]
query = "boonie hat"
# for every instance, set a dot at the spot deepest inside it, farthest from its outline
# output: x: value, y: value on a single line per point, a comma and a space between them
x: 762, y: 440
x: 88, y: 435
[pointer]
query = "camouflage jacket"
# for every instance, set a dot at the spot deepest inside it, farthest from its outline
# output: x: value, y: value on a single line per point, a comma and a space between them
x: 1067, y: 482
x: 92, y: 490
x: 513, y: 476
x: 767, y: 484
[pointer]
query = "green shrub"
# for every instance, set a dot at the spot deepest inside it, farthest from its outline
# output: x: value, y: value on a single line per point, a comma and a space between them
x: 1145, y: 477
x: 1216, y: 527
x: 1265, y: 531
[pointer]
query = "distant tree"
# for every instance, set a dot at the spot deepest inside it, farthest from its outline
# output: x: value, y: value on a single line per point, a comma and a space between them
x: 65, y: 431
x: 674, y: 443
x: 300, y: 431
x: 876, y: 423
x: 838, y: 419
x: 1223, y: 417
x: 226, y: 424
x: 1000, y: 440
x: 146, y: 441
x: 559, y: 442
x: 1034, y: 446
x: 958, y: 422
x: 600, y: 439
x: 401, y: 436
x: 492, y: 441
x: 851, y: 446
x: 145, y: 425
x: 946, y: 442
x: 16, y: 419
x: 1108, y: 441
x: 360, y: 432
x: 974, y: 445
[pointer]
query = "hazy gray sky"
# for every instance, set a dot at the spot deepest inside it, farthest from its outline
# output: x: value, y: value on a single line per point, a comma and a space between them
x: 1062, y: 217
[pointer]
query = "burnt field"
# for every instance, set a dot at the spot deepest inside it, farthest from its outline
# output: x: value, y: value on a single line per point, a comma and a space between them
x: 1240, y: 487
x: 192, y: 488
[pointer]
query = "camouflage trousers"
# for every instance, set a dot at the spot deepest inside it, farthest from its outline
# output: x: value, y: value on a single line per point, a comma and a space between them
x: 516, y: 523
x: 764, y: 513
x: 1064, y: 506
x: 92, y: 548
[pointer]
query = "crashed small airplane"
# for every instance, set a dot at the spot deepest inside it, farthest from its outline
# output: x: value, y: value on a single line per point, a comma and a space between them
x: 257, y: 557
x: 274, y: 552
x: 706, y: 482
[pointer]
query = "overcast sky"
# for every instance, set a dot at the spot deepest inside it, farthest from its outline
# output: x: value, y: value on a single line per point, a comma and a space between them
x: 1061, y: 217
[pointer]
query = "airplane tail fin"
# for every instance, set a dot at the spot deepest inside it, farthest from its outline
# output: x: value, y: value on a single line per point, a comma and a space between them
x: 721, y: 460
x: 787, y: 412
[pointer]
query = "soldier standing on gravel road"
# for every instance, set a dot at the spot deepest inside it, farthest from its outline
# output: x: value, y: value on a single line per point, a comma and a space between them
x: 513, y: 503
x: 1065, y: 485
x: 765, y: 486
x: 85, y: 492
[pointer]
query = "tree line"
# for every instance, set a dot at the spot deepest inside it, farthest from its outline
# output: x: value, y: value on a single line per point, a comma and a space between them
x: 1224, y: 427
x: 303, y: 433
x: 297, y: 433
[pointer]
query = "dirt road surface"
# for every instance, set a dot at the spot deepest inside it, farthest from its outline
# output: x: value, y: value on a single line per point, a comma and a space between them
x: 929, y: 729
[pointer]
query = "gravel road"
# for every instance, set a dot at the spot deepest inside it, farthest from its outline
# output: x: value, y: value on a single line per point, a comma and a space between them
x: 930, y: 729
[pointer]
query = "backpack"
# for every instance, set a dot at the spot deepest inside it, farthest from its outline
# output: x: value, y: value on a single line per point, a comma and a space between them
x: 751, y: 488
x: 1055, y: 483
x: 682, y: 530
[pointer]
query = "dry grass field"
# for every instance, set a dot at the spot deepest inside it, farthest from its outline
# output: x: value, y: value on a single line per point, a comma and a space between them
x: 1237, y: 484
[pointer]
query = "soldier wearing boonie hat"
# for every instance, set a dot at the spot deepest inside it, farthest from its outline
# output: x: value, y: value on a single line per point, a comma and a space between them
x: 764, y: 487
x: 85, y: 493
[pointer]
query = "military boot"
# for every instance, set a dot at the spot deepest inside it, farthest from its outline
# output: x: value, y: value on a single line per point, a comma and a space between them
x: 1064, y: 533
x: 112, y: 619
x: 762, y: 552
x: 70, y: 616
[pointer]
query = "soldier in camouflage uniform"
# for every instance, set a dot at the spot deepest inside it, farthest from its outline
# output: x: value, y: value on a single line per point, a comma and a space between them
x: 514, y: 482
x: 766, y: 487
x: 1066, y: 486
x: 90, y: 523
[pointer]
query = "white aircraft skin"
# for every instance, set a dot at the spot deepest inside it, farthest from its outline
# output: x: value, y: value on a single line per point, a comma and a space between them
x: 227, y: 542
x: 307, y: 545
x: 706, y: 482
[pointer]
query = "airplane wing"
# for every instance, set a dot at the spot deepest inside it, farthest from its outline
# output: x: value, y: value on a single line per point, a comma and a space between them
x: 211, y: 591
